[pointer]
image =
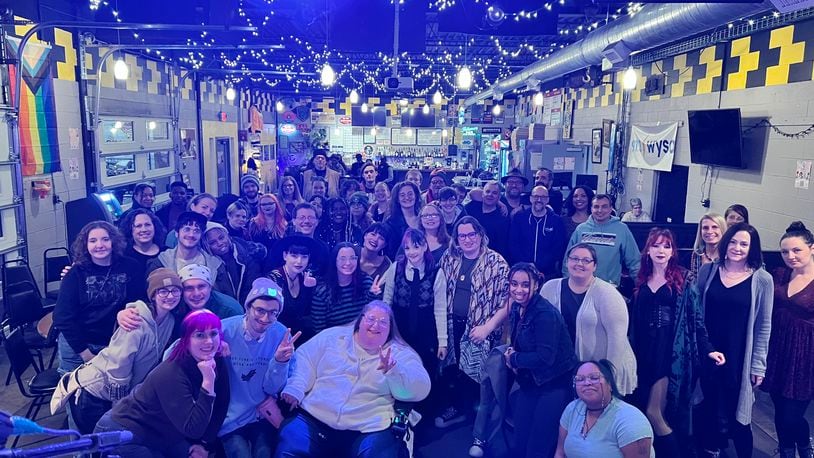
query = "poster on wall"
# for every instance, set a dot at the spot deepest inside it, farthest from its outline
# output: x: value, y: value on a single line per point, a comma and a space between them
x: 607, y: 125
x: 803, y: 175
x: 189, y: 144
x: 596, y: 146
x: 652, y: 147
x: 567, y: 119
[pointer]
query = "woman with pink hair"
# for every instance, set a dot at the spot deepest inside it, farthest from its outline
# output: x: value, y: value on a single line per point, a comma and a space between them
x: 269, y: 225
x: 179, y: 408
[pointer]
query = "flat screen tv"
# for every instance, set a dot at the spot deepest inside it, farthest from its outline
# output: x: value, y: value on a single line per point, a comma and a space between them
x: 715, y: 137
x: 373, y: 117
x: 417, y: 118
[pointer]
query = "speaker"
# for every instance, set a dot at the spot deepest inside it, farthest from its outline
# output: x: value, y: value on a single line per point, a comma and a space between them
x: 452, y: 150
x: 616, y: 53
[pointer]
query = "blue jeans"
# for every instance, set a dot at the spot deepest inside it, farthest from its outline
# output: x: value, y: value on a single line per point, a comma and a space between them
x: 137, y: 448
x: 68, y: 358
x: 305, y: 436
x: 255, y: 440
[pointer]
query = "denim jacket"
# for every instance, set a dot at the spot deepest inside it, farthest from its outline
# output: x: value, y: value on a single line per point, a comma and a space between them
x: 541, y: 342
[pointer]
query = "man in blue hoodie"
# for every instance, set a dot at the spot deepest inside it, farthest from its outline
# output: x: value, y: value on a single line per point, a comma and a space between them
x: 613, y: 241
x: 260, y: 350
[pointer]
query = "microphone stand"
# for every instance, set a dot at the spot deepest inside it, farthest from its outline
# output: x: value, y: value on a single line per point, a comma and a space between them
x: 98, y: 442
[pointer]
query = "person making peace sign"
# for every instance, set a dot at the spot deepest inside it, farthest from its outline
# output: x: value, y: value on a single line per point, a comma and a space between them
x: 350, y: 410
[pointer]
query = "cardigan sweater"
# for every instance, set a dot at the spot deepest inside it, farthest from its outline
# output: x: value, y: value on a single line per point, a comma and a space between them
x: 758, y: 329
x: 602, y: 323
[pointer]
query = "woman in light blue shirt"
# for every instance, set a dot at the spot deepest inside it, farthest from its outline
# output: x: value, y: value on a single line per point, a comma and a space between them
x: 598, y: 422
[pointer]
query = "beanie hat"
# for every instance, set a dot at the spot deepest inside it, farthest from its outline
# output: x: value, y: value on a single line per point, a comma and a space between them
x: 264, y: 287
x: 249, y: 178
x: 211, y: 225
x: 359, y: 197
x: 195, y: 271
x: 161, y: 278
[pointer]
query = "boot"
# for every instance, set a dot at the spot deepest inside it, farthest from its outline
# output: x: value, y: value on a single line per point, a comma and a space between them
x: 666, y: 446
x: 806, y: 450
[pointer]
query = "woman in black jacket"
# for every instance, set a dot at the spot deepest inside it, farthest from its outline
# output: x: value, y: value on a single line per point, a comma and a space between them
x: 543, y: 359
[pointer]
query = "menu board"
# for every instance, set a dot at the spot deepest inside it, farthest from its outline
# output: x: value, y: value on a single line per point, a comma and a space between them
x: 402, y: 136
x: 429, y: 137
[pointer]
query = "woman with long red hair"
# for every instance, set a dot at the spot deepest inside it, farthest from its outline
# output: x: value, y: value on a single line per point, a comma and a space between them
x: 665, y: 321
x: 269, y: 225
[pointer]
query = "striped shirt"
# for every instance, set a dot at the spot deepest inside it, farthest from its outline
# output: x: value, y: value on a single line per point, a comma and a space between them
x: 345, y: 306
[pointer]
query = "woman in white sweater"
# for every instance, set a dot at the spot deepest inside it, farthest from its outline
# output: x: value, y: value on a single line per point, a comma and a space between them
x: 596, y: 315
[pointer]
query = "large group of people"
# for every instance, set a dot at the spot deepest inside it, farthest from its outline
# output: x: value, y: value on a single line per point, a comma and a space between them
x: 303, y: 322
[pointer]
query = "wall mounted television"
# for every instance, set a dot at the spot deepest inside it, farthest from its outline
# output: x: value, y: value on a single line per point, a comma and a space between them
x: 715, y: 137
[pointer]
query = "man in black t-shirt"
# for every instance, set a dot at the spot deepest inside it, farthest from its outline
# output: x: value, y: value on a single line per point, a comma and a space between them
x: 491, y: 218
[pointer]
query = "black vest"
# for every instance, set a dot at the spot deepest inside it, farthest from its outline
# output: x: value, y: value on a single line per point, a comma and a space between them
x: 413, y: 307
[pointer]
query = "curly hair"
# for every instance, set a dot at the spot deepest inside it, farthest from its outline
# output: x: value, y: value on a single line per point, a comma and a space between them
x: 79, y: 247
x: 126, y: 226
x: 395, y: 208
x: 260, y: 224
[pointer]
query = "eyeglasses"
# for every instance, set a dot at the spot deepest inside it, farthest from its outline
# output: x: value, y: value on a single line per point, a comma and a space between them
x: 306, y: 218
x: 538, y: 197
x: 431, y: 216
x: 589, y: 379
x: 264, y: 312
x: 383, y: 322
x: 469, y: 235
x: 166, y: 292
x: 583, y: 261
x: 347, y: 259
x: 268, y: 205
x: 203, y: 335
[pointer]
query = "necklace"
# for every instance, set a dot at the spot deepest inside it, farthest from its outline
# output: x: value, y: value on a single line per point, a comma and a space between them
x: 585, y: 428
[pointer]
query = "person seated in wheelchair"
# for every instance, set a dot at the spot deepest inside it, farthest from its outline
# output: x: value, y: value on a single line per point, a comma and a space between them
x: 346, y: 382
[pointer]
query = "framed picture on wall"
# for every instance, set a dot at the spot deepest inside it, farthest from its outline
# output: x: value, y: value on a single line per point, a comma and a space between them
x: 607, y: 125
x: 596, y: 146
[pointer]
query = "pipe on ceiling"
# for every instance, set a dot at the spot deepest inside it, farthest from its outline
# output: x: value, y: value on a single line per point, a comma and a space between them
x: 655, y: 25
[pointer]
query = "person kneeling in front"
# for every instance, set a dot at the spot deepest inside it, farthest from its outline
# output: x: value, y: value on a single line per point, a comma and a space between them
x: 346, y: 381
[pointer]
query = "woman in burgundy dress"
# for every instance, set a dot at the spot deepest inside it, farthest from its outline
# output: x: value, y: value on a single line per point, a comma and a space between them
x: 790, y: 366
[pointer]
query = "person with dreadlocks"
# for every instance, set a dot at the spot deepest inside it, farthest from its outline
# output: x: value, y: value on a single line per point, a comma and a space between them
x: 336, y: 225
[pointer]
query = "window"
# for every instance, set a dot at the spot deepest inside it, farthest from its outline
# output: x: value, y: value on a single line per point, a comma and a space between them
x: 157, y: 130
x: 120, y: 165
x: 117, y: 131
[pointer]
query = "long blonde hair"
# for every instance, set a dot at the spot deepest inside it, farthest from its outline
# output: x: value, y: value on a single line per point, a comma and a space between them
x: 700, y: 246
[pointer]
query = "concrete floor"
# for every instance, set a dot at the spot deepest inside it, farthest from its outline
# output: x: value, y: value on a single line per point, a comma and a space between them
x: 451, y: 443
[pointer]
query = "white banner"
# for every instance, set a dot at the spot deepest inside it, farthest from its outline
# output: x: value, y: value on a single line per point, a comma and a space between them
x: 652, y: 147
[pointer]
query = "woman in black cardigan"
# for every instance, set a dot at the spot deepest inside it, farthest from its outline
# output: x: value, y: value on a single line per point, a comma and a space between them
x: 180, y: 406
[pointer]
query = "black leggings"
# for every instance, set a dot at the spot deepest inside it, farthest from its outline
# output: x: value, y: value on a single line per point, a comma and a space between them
x: 790, y: 423
x: 718, y: 423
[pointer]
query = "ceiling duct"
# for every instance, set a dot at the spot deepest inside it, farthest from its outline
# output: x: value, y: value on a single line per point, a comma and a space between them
x: 655, y: 25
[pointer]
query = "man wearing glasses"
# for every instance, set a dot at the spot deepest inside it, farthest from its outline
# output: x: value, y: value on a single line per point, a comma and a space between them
x: 610, y: 237
x: 538, y: 235
x: 261, y: 348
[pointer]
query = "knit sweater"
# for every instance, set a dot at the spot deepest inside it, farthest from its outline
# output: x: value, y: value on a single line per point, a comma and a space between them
x: 758, y: 329
x: 602, y: 323
x: 439, y: 296
x: 335, y: 305
x: 254, y: 374
x: 338, y: 382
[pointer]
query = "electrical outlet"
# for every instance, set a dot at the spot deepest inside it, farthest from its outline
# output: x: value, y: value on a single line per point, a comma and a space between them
x: 705, y: 203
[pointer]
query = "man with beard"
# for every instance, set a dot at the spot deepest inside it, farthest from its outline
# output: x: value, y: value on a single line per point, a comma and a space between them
x: 168, y: 214
x: 545, y: 177
x: 538, y: 235
x: 320, y: 169
x: 250, y: 193
x: 261, y: 348
x: 243, y: 259
x: 514, y: 198
x: 487, y: 212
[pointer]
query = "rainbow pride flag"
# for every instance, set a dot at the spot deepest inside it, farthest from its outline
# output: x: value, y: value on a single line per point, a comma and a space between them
x: 39, y: 144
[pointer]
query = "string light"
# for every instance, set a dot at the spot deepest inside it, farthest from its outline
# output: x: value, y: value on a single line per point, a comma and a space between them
x: 425, y: 109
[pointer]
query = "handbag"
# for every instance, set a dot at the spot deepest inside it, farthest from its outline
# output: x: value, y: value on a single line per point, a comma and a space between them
x: 473, y: 356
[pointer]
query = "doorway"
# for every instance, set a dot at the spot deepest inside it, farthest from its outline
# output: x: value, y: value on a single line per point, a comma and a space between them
x: 671, y: 195
x: 222, y: 161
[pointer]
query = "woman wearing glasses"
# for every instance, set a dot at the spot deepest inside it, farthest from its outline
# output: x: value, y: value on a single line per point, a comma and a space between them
x: 405, y: 205
x: 344, y: 291
x: 269, y: 225
x: 598, y: 423
x: 114, y: 371
x: 346, y: 412
x: 180, y: 406
x: 595, y: 313
x: 432, y: 225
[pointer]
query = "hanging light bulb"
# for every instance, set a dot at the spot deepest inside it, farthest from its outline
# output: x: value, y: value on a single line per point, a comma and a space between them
x: 279, y: 106
x: 464, y: 79
x: 629, y: 79
x: 538, y: 99
x: 327, y: 76
x: 437, y: 98
x: 364, y: 107
x: 426, y: 109
x: 230, y: 94
x: 120, y: 69
x: 354, y: 97
x: 496, y: 109
x: 404, y: 102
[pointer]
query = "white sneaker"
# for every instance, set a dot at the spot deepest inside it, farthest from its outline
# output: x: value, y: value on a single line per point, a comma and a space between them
x: 450, y: 417
x: 477, y: 448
